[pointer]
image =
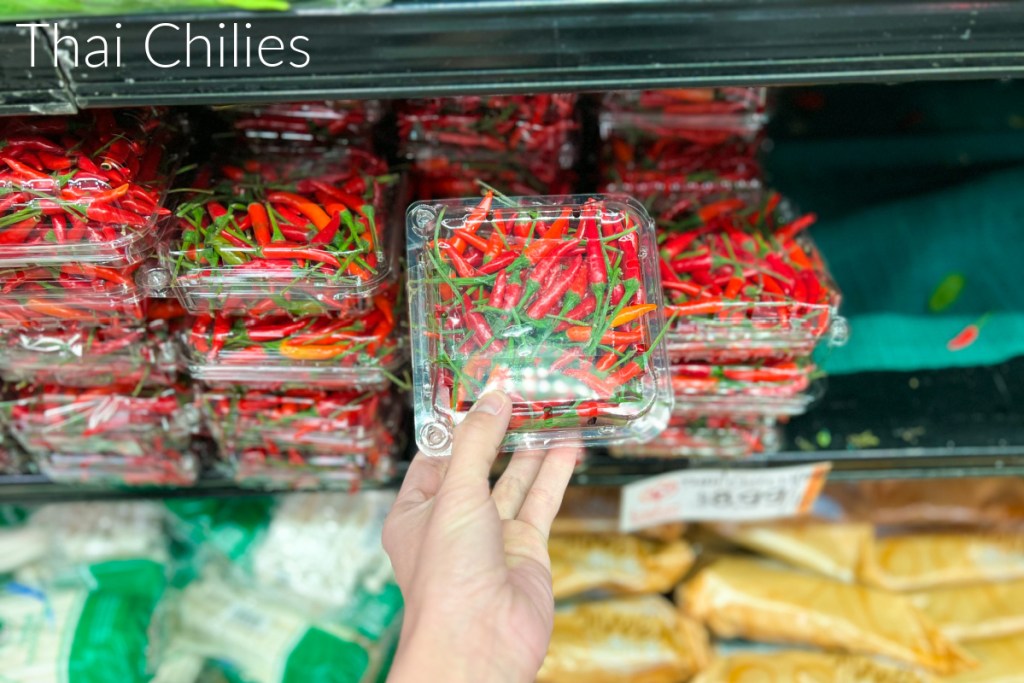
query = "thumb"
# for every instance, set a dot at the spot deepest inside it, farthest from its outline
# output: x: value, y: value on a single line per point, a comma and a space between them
x: 475, y: 445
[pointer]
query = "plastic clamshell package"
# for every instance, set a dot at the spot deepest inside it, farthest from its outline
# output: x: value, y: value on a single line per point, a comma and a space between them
x: 43, y: 296
x: 640, y: 147
x: 784, y: 302
x: 157, y: 469
x: 559, y: 266
x: 284, y: 234
x: 317, y: 123
x: 82, y: 356
x: 365, y: 351
x: 707, y: 437
x: 300, y: 438
x: 727, y: 100
x: 543, y: 125
x: 450, y: 172
x: 121, y: 421
x: 84, y: 189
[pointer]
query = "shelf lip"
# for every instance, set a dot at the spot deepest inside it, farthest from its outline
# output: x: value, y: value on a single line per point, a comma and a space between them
x: 449, y: 48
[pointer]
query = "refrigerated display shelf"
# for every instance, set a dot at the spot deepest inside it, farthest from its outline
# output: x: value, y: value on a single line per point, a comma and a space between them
x: 964, y: 422
x: 444, y: 48
x: 25, y: 89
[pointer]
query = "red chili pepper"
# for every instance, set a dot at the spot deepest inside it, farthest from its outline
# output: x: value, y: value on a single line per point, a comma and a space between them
x: 274, y: 251
x: 303, y: 205
x: 497, y: 295
x: 610, y: 338
x: 326, y: 234
x: 552, y: 296
x: 260, y: 223
x: 473, y: 222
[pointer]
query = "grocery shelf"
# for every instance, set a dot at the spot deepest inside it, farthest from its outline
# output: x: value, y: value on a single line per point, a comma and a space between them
x: 960, y: 422
x: 25, y: 89
x: 444, y: 48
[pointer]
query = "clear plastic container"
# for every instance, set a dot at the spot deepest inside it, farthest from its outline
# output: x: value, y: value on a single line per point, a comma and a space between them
x: 282, y: 124
x: 449, y: 172
x: 366, y: 351
x: 122, y: 421
x: 720, y: 101
x: 741, y: 276
x: 82, y: 356
x: 520, y: 318
x: 294, y: 438
x: 43, y: 296
x: 763, y: 378
x: 640, y: 148
x: 163, y: 468
x: 279, y: 234
x: 83, y: 189
x: 544, y: 125
x: 707, y: 437
x: 368, y: 459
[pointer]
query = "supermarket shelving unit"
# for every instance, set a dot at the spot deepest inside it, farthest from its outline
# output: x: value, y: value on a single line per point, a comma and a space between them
x: 880, y: 425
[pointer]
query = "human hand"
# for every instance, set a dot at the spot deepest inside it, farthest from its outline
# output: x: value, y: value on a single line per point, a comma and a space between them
x: 473, y: 563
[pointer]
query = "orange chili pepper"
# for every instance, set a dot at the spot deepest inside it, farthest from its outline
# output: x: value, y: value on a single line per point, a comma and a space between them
x: 312, y: 352
x: 631, y: 313
x: 307, y: 208
x: 260, y: 223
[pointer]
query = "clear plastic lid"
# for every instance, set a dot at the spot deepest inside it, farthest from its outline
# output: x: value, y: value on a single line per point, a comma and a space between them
x: 641, y: 148
x: 553, y: 300
x: 727, y: 100
x: 83, y: 189
x: 160, y: 468
x: 43, y: 296
x: 289, y: 123
x: 539, y: 125
x: 442, y: 174
x: 741, y: 276
x: 708, y: 437
x: 283, y: 234
x: 763, y: 378
x: 78, y: 355
x: 328, y: 351
x: 117, y: 420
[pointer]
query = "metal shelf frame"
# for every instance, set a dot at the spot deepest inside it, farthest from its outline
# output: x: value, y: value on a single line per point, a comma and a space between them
x: 446, y: 48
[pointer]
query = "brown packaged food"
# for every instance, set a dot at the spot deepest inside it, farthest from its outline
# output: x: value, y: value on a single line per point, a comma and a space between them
x: 989, y: 501
x: 928, y: 560
x: 616, y: 563
x: 833, y: 549
x: 639, y: 639
x: 739, y: 597
x: 595, y: 510
x: 985, y: 610
x: 1002, y: 661
x: 799, y: 666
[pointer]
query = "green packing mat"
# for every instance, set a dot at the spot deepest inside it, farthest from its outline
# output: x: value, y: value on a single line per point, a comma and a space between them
x: 890, y: 259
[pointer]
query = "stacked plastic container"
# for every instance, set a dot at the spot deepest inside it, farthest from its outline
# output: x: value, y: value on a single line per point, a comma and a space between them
x: 747, y: 295
x: 94, y: 362
x: 287, y: 264
x: 518, y: 144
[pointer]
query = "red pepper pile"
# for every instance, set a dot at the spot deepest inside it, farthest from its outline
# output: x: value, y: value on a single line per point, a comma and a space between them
x: 285, y: 124
x: 282, y: 235
x: 521, y: 144
x: 674, y: 136
x: 300, y: 436
x: 142, y: 435
x: 551, y: 302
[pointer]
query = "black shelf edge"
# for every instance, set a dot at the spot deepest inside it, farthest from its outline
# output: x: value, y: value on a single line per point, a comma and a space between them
x: 25, y: 89
x: 438, y: 48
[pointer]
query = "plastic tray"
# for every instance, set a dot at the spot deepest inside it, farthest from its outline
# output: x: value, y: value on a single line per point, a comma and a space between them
x: 327, y: 351
x: 708, y: 437
x: 639, y: 148
x: 119, y: 420
x: 305, y: 123
x: 721, y: 101
x: 464, y: 346
x: 43, y: 296
x: 77, y: 355
x: 83, y: 189
x: 784, y: 303
x: 331, y: 252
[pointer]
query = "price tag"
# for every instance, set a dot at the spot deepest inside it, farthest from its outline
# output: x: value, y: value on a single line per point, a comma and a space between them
x: 721, y: 495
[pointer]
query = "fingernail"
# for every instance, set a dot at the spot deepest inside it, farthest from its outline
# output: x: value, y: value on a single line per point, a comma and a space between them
x: 492, y: 403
